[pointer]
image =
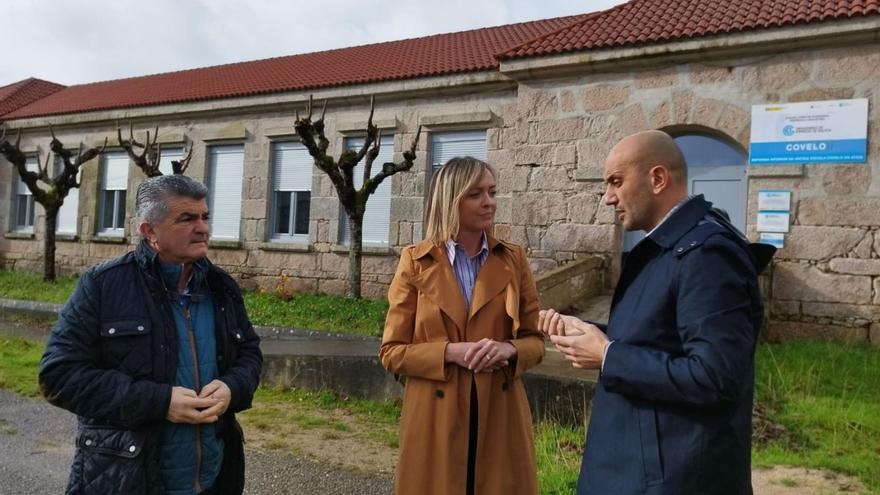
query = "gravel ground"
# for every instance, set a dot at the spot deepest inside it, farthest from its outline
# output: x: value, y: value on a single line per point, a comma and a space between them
x: 36, y: 448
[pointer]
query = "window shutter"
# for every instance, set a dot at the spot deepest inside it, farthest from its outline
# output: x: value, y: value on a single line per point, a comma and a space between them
x: 226, y: 164
x: 114, y: 176
x: 68, y: 215
x: 446, y: 145
x: 377, y: 216
x: 167, y: 156
x: 292, y: 167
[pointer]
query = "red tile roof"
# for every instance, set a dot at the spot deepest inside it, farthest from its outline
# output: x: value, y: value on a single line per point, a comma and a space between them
x: 637, y: 22
x: 642, y: 22
x: 17, y: 95
x: 466, y: 51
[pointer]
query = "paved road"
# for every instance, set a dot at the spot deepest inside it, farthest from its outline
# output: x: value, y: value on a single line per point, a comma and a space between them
x: 36, y: 448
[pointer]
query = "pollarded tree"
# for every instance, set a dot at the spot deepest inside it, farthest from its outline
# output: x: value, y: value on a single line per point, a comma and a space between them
x: 341, y: 172
x: 149, y: 157
x: 51, y: 197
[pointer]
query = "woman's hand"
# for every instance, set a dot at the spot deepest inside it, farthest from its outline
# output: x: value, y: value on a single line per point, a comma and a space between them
x: 455, y: 352
x: 489, y: 355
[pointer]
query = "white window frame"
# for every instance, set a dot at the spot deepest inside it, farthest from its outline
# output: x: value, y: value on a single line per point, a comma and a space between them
x: 20, y: 192
x: 449, y: 144
x: 119, y: 196
x: 224, y: 197
x: 377, y: 216
x: 292, y: 170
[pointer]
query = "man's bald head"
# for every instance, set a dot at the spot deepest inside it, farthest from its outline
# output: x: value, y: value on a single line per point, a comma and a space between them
x: 645, y: 177
x: 651, y: 148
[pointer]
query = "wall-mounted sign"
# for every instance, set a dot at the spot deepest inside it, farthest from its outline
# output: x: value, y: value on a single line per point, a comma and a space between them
x: 810, y: 132
x: 774, y: 200
x: 773, y: 221
x: 777, y: 240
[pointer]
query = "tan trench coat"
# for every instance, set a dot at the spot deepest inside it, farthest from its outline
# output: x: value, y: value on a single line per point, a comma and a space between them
x: 426, y: 312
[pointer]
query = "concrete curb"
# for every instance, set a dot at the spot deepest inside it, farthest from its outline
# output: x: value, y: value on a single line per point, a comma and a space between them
x: 32, y: 308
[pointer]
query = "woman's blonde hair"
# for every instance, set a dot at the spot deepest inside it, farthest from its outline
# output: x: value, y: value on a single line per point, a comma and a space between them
x: 448, y: 186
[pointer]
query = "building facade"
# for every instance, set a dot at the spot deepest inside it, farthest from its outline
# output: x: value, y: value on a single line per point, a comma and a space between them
x: 545, y: 108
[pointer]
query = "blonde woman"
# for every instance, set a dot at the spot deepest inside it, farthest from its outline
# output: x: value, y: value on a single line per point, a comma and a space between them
x: 462, y: 329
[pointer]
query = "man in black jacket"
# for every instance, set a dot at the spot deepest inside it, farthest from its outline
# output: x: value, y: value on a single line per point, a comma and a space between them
x: 672, y: 409
x: 154, y: 353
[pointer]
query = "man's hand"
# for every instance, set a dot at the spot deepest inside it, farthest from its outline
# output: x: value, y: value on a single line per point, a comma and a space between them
x: 187, y: 407
x: 585, y: 350
x: 219, y: 391
x: 552, y: 323
x: 489, y: 355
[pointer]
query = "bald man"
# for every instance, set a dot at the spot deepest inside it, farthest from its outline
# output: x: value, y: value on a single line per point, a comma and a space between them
x: 672, y: 409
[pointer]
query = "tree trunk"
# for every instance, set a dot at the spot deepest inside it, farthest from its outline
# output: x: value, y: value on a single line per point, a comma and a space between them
x: 355, y: 252
x: 49, y: 245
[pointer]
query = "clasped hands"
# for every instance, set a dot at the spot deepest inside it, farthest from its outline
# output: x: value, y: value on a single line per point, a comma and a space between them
x: 580, y: 342
x: 206, y: 407
x: 486, y: 355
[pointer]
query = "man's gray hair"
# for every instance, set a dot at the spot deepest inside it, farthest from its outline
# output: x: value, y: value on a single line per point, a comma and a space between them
x: 150, y: 204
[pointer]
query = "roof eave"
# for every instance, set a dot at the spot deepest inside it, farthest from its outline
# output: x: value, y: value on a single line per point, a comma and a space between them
x: 386, y: 90
x: 729, y: 45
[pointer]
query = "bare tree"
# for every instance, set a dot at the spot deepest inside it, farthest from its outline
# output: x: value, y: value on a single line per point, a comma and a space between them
x: 57, y: 187
x: 341, y: 173
x: 150, y: 155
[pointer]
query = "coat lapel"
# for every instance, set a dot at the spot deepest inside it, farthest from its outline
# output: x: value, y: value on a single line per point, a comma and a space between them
x: 492, y: 279
x: 438, y: 284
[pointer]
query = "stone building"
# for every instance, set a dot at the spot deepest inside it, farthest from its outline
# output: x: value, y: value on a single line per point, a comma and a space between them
x: 542, y: 101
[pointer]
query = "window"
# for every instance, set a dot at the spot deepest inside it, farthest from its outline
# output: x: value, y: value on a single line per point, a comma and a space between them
x: 169, y: 155
x: 291, y: 191
x: 114, y: 182
x: 23, y: 201
x: 377, y: 214
x: 446, y: 145
x: 226, y: 168
x: 68, y: 215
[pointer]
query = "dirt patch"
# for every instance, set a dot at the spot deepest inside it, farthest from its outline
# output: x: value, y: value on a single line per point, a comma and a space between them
x: 781, y: 480
x: 333, y: 437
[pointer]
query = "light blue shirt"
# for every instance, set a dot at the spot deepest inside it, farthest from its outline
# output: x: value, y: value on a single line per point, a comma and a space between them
x: 466, y: 267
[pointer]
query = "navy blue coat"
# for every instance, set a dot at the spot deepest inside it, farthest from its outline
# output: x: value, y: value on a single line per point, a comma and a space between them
x: 111, y: 359
x: 673, y: 406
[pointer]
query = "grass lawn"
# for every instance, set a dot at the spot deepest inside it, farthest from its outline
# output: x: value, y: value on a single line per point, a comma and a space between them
x: 310, y: 311
x: 19, y: 362
x: 827, y: 395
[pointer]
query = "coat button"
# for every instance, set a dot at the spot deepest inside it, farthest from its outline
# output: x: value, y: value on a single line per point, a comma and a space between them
x: 693, y: 243
x: 140, y: 328
x: 132, y: 449
x: 679, y: 250
x: 238, y: 336
x: 88, y: 442
x: 439, y: 394
x: 111, y: 331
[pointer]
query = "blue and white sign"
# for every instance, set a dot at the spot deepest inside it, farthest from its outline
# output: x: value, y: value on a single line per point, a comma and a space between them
x: 777, y: 240
x: 774, y: 200
x: 812, y: 132
x: 773, y: 221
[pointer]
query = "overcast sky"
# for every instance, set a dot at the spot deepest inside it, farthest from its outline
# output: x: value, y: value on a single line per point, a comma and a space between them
x: 74, y: 42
